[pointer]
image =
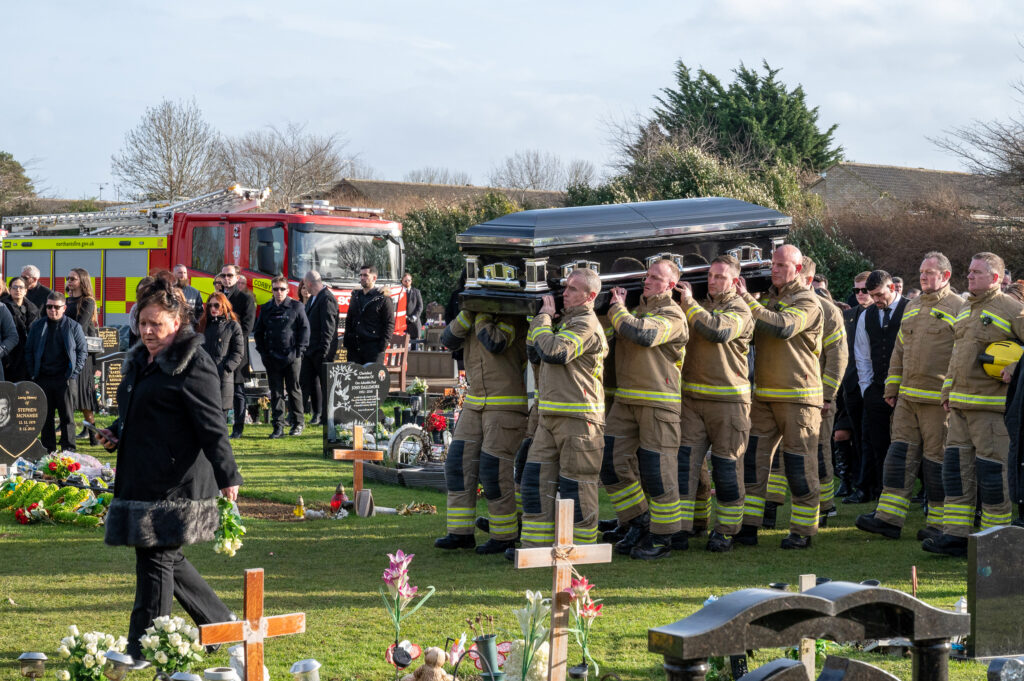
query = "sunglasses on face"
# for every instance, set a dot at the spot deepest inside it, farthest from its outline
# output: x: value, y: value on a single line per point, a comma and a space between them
x: 54, y: 307
x: 860, y: 290
x: 213, y: 306
x: 280, y: 288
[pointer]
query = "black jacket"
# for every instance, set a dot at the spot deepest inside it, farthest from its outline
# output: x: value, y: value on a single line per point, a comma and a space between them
x: 1014, y: 419
x: 322, y: 312
x: 173, y: 453
x: 282, y: 331
x: 222, y: 340
x: 74, y: 344
x: 8, y: 337
x: 369, y: 323
x: 14, y: 364
x: 244, y: 307
x: 37, y: 294
x: 414, y: 308
x: 83, y: 311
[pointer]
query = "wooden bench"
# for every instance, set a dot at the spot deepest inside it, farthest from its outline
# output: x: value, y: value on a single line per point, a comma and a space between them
x: 396, y: 359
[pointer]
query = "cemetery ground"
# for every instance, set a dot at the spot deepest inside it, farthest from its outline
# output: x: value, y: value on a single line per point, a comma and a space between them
x: 52, y: 576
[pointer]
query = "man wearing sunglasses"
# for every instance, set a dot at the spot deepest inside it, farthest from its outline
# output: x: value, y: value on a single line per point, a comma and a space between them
x: 282, y: 335
x: 56, y: 353
x: 37, y: 293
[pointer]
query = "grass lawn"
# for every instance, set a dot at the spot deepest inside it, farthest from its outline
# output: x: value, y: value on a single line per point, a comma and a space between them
x: 53, y: 576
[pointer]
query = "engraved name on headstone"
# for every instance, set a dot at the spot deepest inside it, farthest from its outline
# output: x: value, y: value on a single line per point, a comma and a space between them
x: 353, y: 394
x: 110, y: 378
x: 22, y: 409
x: 111, y: 339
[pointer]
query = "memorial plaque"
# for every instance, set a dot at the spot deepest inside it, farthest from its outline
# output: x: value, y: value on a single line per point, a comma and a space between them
x: 995, y: 592
x: 22, y: 410
x: 110, y: 378
x: 110, y: 337
x: 352, y: 395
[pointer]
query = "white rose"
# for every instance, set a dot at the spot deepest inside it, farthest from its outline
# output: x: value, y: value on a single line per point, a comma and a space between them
x: 151, y: 630
x: 121, y: 644
x: 101, y: 658
x: 197, y: 647
x: 63, y: 675
x: 160, y: 656
x: 174, y: 639
x: 67, y: 641
x: 183, y: 649
x: 89, y: 661
x: 110, y: 641
x: 89, y: 637
x: 236, y: 543
x: 170, y: 627
x: 64, y: 652
x: 73, y: 629
x: 91, y: 648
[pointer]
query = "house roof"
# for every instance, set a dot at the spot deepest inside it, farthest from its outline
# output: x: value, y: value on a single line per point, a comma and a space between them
x: 866, y: 184
x: 400, y: 197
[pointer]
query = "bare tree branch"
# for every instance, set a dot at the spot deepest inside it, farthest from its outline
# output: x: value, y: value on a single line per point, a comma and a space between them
x: 438, y: 175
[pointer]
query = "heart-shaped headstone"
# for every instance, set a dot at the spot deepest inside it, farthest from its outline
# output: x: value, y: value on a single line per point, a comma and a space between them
x: 354, y: 392
x: 22, y: 410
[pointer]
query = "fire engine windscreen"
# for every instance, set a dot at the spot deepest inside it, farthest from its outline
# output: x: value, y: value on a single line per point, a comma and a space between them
x: 338, y: 257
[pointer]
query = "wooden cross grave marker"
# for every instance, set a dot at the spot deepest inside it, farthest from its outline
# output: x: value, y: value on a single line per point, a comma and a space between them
x: 254, y: 628
x: 562, y: 556
x: 357, y: 455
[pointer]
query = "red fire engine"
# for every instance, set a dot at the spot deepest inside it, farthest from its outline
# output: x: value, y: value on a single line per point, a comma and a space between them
x: 121, y: 245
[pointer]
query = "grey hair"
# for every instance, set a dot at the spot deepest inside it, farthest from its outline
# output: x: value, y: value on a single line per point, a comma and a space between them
x: 593, y: 281
x: 30, y: 271
x: 313, y: 277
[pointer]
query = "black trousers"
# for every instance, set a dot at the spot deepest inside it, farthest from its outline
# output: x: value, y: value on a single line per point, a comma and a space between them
x: 365, y: 356
x: 283, y: 377
x: 309, y: 378
x: 875, y: 440
x: 160, y: 574
x: 853, y: 404
x: 58, y: 392
x: 238, y: 404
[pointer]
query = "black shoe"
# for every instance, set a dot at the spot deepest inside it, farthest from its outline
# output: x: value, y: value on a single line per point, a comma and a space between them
x: 93, y: 441
x: 235, y: 434
x: 639, y: 528
x: 296, y: 430
x: 510, y: 554
x: 823, y: 520
x: 483, y: 524
x: 616, y: 535
x: 858, y: 497
x: 455, y: 541
x: 278, y: 433
x: 844, y: 490
x: 946, y: 544
x: 495, y: 546
x: 315, y: 421
x: 928, y: 533
x: 718, y: 543
x: 680, y: 541
x: 771, y: 510
x: 869, y: 523
x: 607, y: 525
x: 796, y: 541
x: 654, y: 546
x: 81, y: 435
x: 746, y: 536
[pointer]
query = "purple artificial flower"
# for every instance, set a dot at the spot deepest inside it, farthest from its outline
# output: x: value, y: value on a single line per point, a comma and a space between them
x: 400, y: 561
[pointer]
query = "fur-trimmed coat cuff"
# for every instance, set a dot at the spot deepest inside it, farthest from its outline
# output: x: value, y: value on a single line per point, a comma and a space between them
x: 149, y: 524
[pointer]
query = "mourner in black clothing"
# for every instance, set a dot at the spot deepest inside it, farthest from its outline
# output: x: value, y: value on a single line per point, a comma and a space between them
x: 82, y: 308
x: 222, y: 339
x: 56, y: 353
x: 281, y: 335
x: 322, y: 313
x: 244, y: 305
x: 370, y: 320
x: 37, y: 293
x: 413, y: 308
x: 24, y: 312
x: 173, y: 456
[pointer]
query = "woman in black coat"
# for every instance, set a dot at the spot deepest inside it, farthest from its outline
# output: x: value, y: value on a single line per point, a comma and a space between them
x: 24, y: 313
x: 222, y: 339
x: 81, y: 306
x: 173, y: 456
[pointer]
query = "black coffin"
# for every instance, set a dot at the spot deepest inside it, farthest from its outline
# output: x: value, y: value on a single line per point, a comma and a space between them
x: 511, y: 262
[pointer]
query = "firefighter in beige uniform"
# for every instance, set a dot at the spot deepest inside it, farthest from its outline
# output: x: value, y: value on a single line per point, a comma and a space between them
x: 489, y: 429
x: 644, y: 419
x: 565, y: 456
x: 977, y: 444
x: 832, y: 361
x: 913, y: 386
x: 716, y: 398
x: 787, y: 399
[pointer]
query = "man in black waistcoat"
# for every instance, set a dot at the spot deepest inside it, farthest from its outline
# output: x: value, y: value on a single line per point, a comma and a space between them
x: 244, y: 305
x: 875, y: 338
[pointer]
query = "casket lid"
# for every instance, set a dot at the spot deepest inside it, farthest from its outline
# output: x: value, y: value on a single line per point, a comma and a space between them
x: 622, y: 221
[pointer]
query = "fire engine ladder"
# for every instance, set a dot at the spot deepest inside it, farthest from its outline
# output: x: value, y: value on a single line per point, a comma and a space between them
x: 137, y: 217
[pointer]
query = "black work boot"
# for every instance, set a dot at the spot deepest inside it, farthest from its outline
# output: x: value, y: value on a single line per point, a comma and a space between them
x: 771, y: 510
x: 746, y: 536
x: 946, y: 544
x: 639, y: 528
x: 796, y: 541
x: 869, y: 523
x: 616, y: 535
x: 681, y: 540
x: 278, y: 433
x: 927, y: 532
x: 607, y: 525
x: 718, y: 542
x: 495, y: 546
x: 483, y: 524
x: 653, y: 546
x: 455, y: 541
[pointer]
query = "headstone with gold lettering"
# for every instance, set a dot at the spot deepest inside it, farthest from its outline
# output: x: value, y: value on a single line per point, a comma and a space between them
x: 110, y: 378
x: 22, y: 410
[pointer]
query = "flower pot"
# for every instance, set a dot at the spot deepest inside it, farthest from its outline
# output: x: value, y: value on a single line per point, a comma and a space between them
x: 220, y: 674
x: 416, y: 403
x: 487, y: 649
x: 437, y: 437
x: 580, y: 671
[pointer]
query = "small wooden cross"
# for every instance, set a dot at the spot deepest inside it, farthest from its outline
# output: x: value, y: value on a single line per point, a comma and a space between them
x: 562, y: 556
x: 254, y: 628
x: 357, y: 455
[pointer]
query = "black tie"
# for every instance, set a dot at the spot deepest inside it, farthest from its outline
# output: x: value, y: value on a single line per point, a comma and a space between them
x: 885, y: 318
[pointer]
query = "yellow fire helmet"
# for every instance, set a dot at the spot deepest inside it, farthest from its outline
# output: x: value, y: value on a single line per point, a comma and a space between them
x: 998, y: 355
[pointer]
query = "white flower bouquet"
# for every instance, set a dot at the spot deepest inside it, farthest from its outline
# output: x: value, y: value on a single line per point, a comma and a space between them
x: 85, y: 654
x: 172, y: 645
x: 231, y: 530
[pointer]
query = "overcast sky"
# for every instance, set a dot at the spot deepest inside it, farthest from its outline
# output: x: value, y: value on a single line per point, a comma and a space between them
x: 464, y: 84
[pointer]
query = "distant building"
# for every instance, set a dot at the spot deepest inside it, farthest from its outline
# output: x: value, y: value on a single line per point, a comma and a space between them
x: 401, y: 197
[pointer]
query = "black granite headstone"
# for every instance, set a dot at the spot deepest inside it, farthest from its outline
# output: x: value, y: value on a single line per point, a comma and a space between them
x: 110, y: 337
x: 995, y: 592
x: 353, y: 394
x: 110, y: 378
x: 22, y: 410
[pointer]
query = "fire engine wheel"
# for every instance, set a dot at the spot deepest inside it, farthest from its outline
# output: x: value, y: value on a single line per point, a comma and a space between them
x: 409, y: 445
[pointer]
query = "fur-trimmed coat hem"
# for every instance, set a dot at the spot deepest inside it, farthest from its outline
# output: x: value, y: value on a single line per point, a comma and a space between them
x: 150, y: 524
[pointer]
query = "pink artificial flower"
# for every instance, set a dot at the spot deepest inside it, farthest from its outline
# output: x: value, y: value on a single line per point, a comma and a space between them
x: 400, y: 561
x: 590, y: 610
x: 579, y: 588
